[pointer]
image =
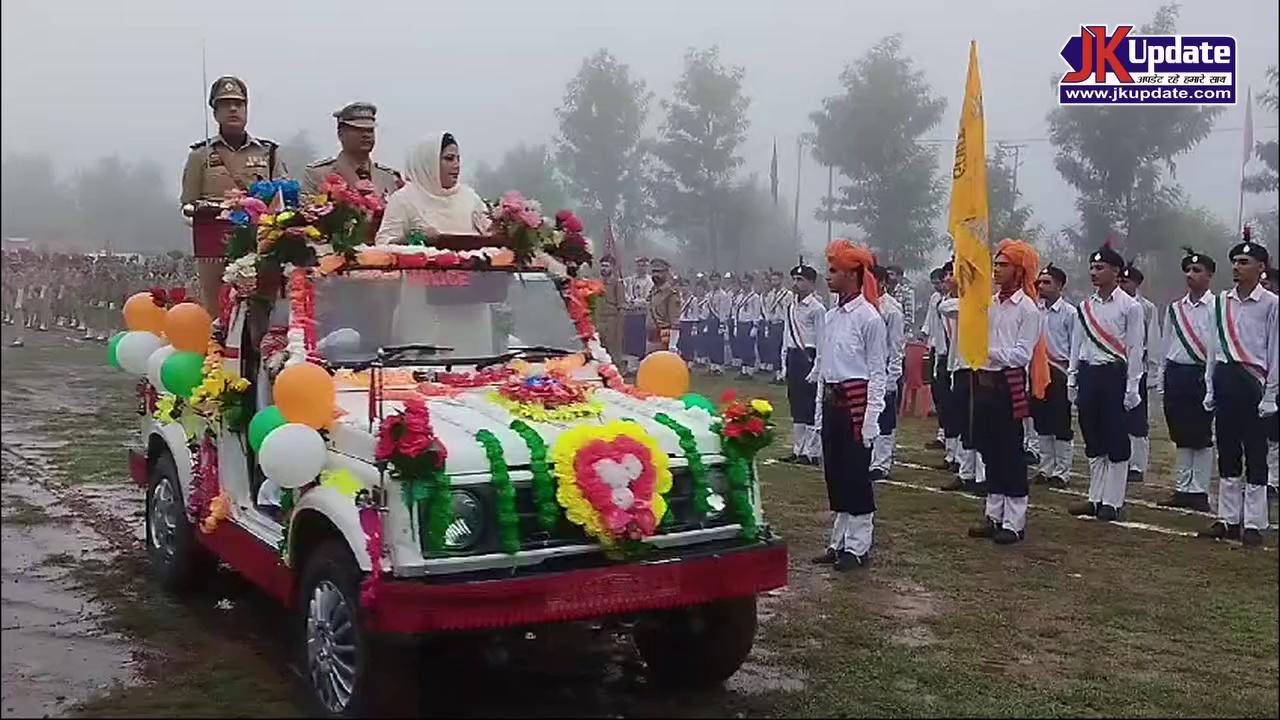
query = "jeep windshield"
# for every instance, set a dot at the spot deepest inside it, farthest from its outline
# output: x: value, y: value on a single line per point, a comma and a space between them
x: 439, y: 316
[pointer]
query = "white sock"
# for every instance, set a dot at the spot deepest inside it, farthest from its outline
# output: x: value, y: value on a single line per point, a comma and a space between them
x: 1201, y: 470
x: 838, y: 525
x: 1097, y: 478
x: 882, y: 451
x: 1255, y: 507
x: 1231, y: 500
x: 1273, y: 463
x: 967, y: 463
x: 1117, y: 477
x: 1182, y: 469
x: 1139, y: 451
x: 1048, y: 455
x: 858, y: 533
x: 995, y: 509
x: 1063, y: 453
x: 979, y: 468
x: 1015, y: 514
x: 951, y: 445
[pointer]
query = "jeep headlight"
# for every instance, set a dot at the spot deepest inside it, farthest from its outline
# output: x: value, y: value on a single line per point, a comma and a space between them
x: 468, y: 522
x: 716, y: 504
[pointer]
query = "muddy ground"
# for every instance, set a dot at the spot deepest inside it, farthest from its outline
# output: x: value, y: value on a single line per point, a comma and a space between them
x: 1082, y: 619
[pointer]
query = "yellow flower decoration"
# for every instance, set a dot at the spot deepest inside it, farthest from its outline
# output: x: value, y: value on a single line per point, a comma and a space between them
x: 762, y: 406
x: 342, y: 480
x: 541, y: 413
x: 285, y: 217
x: 266, y: 220
x: 313, y: 232
x: 578, y: 509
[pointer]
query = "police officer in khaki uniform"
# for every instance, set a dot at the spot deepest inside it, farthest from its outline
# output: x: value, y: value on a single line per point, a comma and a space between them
x: 356, y: 124
x: 232, y: 159
x: 664, y: 309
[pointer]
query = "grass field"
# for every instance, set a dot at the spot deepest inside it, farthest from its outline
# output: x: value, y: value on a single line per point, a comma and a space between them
x: 1081, y: 619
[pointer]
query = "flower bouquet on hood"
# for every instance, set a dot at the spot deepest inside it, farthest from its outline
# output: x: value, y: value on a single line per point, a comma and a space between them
x: 408, y: 448
x: 346, y: 215
x: 746, y: 426
x: 520, y: 223
x: 567, y: 243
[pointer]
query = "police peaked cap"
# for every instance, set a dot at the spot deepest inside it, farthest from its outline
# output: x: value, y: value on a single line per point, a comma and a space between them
x: 1195, y: 258
x: 804, y: 271
x: 1107, y: 254
x: 1055, y: 272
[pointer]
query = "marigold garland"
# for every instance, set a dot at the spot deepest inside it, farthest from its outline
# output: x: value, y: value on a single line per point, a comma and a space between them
x: 697, y: 468
x: 586, y: 498
x: 504, y: 493
x: 537, y: 412
x: 544, y: 489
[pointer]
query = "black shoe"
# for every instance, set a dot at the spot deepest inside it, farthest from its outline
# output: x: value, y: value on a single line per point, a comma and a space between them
x: 944, y: 465
x: 1251, y: 538
x: 811, y: 461
x: 954, y: 467
x: 955, y: 484
x: 1106, y: 513
x: 791, y: 459
x: 1177, y: 500
x: 1197, y: 501
x: 827, y: 558
x: 876, y: 474
x: 986, y: 530
x: 934, y: 444
x: 976, y: 488
x: 848, y: 561
x: 1135, y: 476
x: 1271, y: 494
x: 1030, y: 458
x: 1220, y: 531
x: 1055, y: 482
x: 1004, y: 536
x: 1038, y: 479
x: 1083, y: 508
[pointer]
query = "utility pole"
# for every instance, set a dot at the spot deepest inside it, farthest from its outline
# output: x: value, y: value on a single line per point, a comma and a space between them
x: 1016, y: 153
x: 795, y: 219
x: 831, y: 201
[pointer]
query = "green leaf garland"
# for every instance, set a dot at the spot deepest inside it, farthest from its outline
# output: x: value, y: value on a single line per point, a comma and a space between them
x: 544, y: 486
x: 697, y: 469
x: 738, y: 468
x: 286, y: 514
x: 504, y: 493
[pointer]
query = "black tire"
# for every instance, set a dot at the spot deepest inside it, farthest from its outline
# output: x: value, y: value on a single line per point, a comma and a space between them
x: 331, y: 568
x: 176, y: 558
x: 698, y: 647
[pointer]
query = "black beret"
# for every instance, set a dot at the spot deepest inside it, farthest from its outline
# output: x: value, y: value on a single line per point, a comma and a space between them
x: 1195, y: 258
x: 1055, y: 272
x: 1132, y: 273
x: 1252, y: 249
x: 1106, y: 254
x: 804, y: 271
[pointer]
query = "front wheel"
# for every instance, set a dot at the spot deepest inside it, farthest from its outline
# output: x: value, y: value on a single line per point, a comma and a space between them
x: 700, y: 646
x: 176, y: 558
x: 336, y: 648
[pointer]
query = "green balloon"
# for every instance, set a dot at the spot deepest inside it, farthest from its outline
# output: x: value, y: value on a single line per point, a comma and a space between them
x: 263, y: 422
x: 693, y: 400
x: 182, y: 373
x: 111, y: 350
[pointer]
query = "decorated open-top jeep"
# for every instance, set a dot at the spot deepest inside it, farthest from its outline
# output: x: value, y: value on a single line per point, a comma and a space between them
x: 430, y: 438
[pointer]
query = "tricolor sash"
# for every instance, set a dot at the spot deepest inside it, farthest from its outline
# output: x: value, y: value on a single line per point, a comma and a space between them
x: 1186, y: 334
x: 792, y: 328
x: 1100, y: 337
x: 1229, y: 339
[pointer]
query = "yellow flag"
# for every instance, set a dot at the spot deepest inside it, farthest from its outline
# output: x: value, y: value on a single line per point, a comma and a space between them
x: 968, y: 221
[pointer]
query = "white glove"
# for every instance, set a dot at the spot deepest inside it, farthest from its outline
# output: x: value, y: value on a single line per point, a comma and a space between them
x: 753, y: 331
x: 870, y: 431
x: 1132, y: 400
x: 1208, y: 403
x: 812, y: 377
x: 1072, y: 393
x: 1266, y: 408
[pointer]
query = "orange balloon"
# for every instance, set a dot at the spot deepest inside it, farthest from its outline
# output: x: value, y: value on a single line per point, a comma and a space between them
x: 305, y: 394
x: 188, y: 326
x: 142, y: 313
x: 663, y: 373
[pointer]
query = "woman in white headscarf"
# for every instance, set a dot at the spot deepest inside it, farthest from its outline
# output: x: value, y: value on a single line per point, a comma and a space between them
x: 434, y: 200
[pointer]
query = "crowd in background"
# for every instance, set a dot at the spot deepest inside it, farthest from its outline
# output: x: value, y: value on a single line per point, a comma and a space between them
x: 82, y: 293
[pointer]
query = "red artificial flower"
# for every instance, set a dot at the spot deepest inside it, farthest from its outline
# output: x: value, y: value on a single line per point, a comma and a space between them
x: 735, y: 411
x: 733, y: 430
x: 448, y: 260
x: 412, y: 262
x: 413, y: 444
x: 728, y: 396
x: 755, y: 426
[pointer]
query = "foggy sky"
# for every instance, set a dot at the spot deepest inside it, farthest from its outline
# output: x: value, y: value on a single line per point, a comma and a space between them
x: 86, y: 79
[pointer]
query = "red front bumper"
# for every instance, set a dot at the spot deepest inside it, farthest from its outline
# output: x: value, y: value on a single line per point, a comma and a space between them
x: 406, y: 606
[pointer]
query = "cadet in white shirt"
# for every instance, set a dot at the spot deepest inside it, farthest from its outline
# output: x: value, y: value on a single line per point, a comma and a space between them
x: 774, y: 306
x: 1053, y: 414
x: 1139, y: 421
x: 747, y: 319
x: 715, y: 328
x: 1271, y: 281
x: 802, y: 329
x: 1190, y: 321
x: 636, y: 290
x: 850, y: 365
x: 930, y: 331
x: 1242, y: 371
x: 895, y: 341
x: 1103, y: 380
x: 691, y: 304
x: 1000, y: 399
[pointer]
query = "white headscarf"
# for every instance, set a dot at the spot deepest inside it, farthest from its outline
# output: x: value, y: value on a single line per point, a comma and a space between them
x: 449, y: 210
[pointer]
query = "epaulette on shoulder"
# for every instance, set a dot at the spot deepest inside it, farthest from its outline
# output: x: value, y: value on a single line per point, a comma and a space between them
x: 323, y: 161
x: 199, y: 144
x: 386, y: 168
x: 269, y: 143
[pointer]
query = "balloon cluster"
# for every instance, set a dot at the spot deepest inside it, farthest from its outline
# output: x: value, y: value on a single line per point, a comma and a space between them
x: 286, y: 435
x: 166, y: 346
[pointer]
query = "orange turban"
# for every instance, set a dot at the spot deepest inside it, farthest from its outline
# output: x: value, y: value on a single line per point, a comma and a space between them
x: 846, y: 255
x: 1025, y: 257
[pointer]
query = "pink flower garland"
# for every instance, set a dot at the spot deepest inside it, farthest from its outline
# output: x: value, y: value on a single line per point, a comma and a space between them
x: 371, y: 523
x: 302, y: 309
x: 204, y: 479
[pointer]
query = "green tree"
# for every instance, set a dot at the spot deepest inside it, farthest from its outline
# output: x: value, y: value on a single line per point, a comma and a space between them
x: 870, y: 133
x: 528, y: 169
x: 1121, y: 161
x: 761, y: 231
x: 33, y: 200
x: 1265, y: 180
x: 600, y: 147
x: 123, y: 207
x: 698, y: 144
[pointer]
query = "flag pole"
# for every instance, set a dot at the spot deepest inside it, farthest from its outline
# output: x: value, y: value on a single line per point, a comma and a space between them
x: 795, y: 219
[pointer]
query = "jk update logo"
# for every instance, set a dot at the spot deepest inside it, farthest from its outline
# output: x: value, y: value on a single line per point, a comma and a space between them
x: 1128, y: 69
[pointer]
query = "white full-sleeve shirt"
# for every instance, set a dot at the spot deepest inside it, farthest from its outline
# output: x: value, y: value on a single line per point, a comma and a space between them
x: 852, y: 347
x: 895, y: 339
x: 1059, y: 329
x: 1190, y: 323
x: 1246, y: 333
x: 1112, y: 329
x: 1013, y: 328
x: 803, y: 324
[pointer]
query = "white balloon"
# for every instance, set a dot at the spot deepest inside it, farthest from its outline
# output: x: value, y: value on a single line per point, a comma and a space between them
x: 293, y: 455
x: 155, y: 362
x: 135, y: 348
